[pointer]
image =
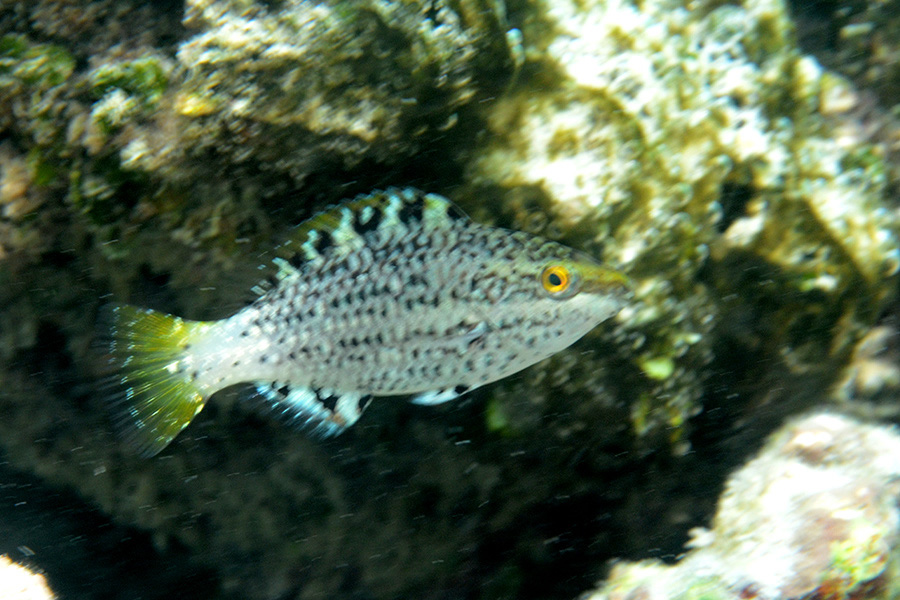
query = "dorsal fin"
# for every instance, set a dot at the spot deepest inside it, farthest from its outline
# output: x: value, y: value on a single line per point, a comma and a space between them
x: 343, y: 228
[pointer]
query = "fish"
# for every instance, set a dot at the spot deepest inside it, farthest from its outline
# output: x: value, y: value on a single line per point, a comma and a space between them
x: 393, y: 293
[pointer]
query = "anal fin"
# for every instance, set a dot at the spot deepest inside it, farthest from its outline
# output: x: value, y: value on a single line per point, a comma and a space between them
x: 323, y: 411
x: 433, y: 397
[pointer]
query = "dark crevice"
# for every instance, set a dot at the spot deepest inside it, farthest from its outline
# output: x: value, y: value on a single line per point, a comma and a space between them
x: 734, y: 199
x: 83, y: 554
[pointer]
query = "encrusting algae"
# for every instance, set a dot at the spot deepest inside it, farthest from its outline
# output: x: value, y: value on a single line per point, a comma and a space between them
x: 393, y: 293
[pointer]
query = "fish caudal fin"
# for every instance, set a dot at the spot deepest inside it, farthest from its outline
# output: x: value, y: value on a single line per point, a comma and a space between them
x: 154, y: 394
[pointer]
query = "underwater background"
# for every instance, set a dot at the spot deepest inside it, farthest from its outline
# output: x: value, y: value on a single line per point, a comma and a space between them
x: 728, y: 435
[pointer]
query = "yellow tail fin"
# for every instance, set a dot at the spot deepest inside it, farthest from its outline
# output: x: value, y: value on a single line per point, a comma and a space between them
x: 155, y: 394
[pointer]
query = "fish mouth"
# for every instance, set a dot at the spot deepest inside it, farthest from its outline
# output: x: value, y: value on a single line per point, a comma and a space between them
x: 598, y: 279
x: 596, y: 276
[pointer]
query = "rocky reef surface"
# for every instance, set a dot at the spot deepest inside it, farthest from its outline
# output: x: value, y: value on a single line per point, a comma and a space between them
x: 153, y: 152
x: 813, y: 515
x: 19, y: 583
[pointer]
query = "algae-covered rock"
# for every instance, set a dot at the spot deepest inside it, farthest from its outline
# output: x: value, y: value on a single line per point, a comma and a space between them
x: 861, y: 41
x: 870, y: 383
x: 689, y: 144
x: 814, y: 515
x: 293, y: 85
x: 864, y: 44
x: 128, y: 142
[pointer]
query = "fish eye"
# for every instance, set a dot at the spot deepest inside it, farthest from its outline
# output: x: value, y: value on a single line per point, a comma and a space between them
x: 556, y: 279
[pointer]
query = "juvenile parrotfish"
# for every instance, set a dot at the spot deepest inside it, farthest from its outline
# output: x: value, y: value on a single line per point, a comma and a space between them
x: 393, y: 293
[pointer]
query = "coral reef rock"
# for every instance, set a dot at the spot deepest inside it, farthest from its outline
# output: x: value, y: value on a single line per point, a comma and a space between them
x: 286, y: 83
x: 19, y: 583
x: 814, y: 515
x: 690, y: 143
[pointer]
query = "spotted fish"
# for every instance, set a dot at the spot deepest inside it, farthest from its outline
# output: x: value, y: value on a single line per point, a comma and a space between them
x: 393, y: 293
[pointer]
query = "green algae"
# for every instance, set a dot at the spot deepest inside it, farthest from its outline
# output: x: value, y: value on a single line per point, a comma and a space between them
x: 496, y: 420
x: 145, y: 78
x: 43, y: 171
x: 39, y: 65
x: 126, y: 91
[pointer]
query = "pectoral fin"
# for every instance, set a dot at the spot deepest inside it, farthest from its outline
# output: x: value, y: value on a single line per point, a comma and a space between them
x: 440, y: 396
x: 326, y: 412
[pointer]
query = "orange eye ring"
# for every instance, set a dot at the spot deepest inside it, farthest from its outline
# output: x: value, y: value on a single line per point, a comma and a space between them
x: 556, y: 279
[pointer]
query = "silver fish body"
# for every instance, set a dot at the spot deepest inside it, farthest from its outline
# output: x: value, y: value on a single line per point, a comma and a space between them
x: 395, y: 293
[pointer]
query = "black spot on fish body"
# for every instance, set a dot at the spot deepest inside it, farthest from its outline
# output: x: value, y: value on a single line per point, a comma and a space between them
x: 412, y: 212
x: 362, y: 228
x: 329, y: 401
x: 455, y: 214
x: 323, y: 241
x: 460, y: 389
x: 460, y: 245
x: 296, y: 260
